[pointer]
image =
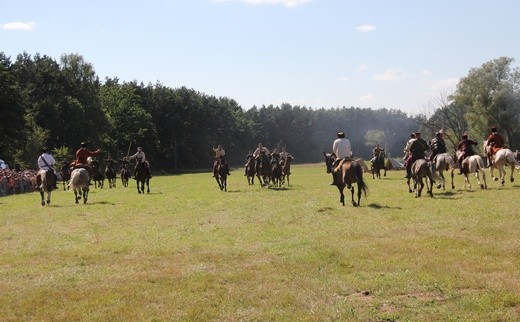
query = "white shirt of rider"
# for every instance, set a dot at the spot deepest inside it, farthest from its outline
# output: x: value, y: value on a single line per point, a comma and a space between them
x: 139, y: 156
x: 341, y: 148
x: 259, y: 150
x: 48, y: 158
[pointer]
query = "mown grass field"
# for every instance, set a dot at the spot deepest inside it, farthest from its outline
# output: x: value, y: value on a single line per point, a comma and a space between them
x: 190, y: 252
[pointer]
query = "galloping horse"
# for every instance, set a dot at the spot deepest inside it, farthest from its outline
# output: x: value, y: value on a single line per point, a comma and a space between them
x: 286, y: 169
x: 378, y: 164
x: 125, y: 174
x: 250, y: 171
x: 422, y: 169
x: 45, y: 181
x: 142, y: 178
x: 65, y: 173
x: 79, y: 182
x: 444, y: 162
x: 502, y: 158
x: 110, y: 173
x: 221, y: 176
x: 263, y: 169
x: 350, y: 172
x: 473, y: 164
x: 97, y: 175
x: 276, y: 172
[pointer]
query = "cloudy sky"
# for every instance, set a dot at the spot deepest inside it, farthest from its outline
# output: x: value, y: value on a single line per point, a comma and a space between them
x: 316, y: 53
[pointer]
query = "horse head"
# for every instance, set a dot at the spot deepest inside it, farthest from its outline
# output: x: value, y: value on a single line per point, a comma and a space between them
x: 329, y: 160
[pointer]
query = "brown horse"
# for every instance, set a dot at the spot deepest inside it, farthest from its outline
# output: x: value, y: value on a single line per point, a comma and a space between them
x: 221, y: 175
x: 423, y: 169
x: 45, y: 180
x: 142, y: 178
x: 350, y: 172
x: 286, y: 169
x: 276, y: 172
x: 65, y: 173
x: 125, y: 174
x: 250, y: 171
x: 110, y: 173
x: 263, y: 169
x: 378, y: 164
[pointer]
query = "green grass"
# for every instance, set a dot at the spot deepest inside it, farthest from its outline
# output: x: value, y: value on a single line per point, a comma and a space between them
x: 188, y: 251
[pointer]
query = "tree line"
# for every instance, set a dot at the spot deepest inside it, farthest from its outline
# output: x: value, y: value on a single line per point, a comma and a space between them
x: 59, y: 104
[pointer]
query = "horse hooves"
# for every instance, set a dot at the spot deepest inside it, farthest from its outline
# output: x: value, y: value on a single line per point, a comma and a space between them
x: 512, y: 179
x: 495, y: 179
x: 43, y: 203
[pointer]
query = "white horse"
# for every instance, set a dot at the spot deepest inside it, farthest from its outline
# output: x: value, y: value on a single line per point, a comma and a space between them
x: 444, y: 162
x: 502, y: 158
x: 79, y: 182
x: 473, y: 164
x: 46, y: 183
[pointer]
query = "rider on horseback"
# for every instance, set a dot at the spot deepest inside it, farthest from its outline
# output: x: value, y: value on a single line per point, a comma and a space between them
x: 47, y: 162
x: 342, y: 150
x: 82, y: 155
x: 465, y: 146
x: 418, y: 150
x: 140, y: 158
x: 495, y: 142
x: 219, y: 158
x: 284, y: 156
x: 437, y: 145
x: 249, y: 160
x: 376, y: 152
x: 260, y: 150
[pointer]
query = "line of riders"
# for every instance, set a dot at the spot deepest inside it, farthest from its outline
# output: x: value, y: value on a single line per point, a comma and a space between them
x: 256, y: 157
x: 416, y: 148
x: 47, y: 162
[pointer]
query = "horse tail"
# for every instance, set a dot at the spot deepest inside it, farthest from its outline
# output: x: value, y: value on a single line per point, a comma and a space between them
x: 359, y: 179
x: 43, y: 177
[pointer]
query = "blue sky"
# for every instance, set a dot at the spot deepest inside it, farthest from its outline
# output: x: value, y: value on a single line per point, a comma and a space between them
x: 397, y: 54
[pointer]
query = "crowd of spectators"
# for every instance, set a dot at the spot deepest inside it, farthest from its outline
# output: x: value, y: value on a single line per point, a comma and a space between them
x: 15, y: 182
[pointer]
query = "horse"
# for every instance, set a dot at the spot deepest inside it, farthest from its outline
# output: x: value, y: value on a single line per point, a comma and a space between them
x: 350, y: 172
x: 473, y: 164
x: 250, y: 171
x: 263, y: 169
x: 97, y: 175
x: 423, y: 169
x: 110, y: 173
x: 500, y: 159
x: 378, y: 164
x: 221, y: 176
x: 79, y: 182
x: 444, y: 162
x: 125, y: 174
x: 45, y: 180
x: 65, y: 173
x: 286, y: 169
x: 276, y: 172
x: 142, y: 178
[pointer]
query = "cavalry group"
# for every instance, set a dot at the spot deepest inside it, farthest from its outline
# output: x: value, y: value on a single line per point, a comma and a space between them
x: 466, y: 161
x: 272, y: 168
x: 79, y: 173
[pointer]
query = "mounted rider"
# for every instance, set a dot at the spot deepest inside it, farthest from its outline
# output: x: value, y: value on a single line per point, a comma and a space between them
x: 418, y: 150
x: 342, y: 149
x: 465, y: 146
x: 82, y: 154
x: 220, y: 154
x: 376, y: 152
x: 249, y: 161
x: 47, y: 162
x: 140, y: 160
x: 259, y: 152
x: 284, y: 156
x: 495, y: 142
x: 437, y: 145
x: 275, y: 157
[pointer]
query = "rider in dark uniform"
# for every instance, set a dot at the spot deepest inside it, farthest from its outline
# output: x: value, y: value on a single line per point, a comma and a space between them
x: 417, y: 150
x: 465, y: 146
x: 437, y: 145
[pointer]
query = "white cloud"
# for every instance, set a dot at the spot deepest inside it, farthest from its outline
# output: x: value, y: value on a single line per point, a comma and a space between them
x: 445, y: 84
x: 390, y: 75
x: 370, y: 98
x: 425, y: 72
x: 27, y: 26
x: 344, y: 78
x: 366, y: 28
x: 286, y: 3
x: 363, y: 67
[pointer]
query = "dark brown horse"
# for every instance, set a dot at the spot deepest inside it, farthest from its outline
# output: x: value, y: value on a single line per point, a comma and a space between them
x: 221, y: 176
x: 125, y: 174
x: 263, y: 169
x: 65, y: 173
x: 45, y: 180
x: 349, y: 172
x: 276, y: 172
x: 142, y: 178
x: 378, y: 164
x: 250, y: 171
x: 110, y: 173
x: 286, y: 169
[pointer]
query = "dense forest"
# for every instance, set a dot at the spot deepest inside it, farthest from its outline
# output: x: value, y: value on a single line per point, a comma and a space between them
x: 59, y: 104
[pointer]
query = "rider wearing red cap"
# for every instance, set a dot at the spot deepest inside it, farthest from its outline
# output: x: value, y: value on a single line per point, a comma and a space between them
x: 495, y: 142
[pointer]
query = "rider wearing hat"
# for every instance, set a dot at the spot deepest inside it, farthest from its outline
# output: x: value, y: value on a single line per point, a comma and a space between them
x: 418, y: 150
x: 465, y: 146
x: 342, y: 150
x: 140, y: 158
x: 495, y: 142
x: 437, y: 145
x: 82, y: 155
x: 220, y: 154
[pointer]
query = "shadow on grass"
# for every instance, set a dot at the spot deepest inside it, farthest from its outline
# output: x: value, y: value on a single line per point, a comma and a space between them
x: 378, y: 206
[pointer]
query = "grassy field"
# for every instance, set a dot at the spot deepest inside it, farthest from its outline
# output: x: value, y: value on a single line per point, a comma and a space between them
x: 188, y: 251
